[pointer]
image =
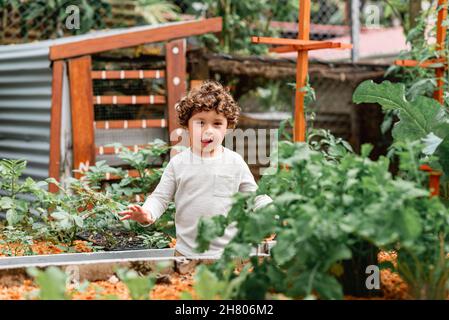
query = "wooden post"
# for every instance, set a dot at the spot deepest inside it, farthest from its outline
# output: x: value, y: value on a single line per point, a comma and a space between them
x: 81, y: 93
x: 175, y: 80
x: 434, y: 179
x: 55, y: 123
x: 441, y: 39
x: 302, y: 69
x: 302, y: 45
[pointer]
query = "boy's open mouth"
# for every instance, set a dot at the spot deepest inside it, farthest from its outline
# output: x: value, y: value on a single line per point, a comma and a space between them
x: 206, y: 142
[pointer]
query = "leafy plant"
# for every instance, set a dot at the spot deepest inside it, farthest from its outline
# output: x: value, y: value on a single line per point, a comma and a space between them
x: 16, y: 242
x: 80, y: 207
x: 157, y: 11
x: 208, y: 286
x: 156, y: 240
x: 333, y: 148
x: 323, y: 211
x: 52, y: 283
x: 17, y: 208
x: 84, y: 204
x: 241, y: 20
x: 421, y: 119
x: 142, y: 160
x: 419, y: 81
x: 139, y: 286
x: 49, y: 17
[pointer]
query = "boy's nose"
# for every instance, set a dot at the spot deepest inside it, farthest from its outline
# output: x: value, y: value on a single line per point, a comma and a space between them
x: 208, y: 130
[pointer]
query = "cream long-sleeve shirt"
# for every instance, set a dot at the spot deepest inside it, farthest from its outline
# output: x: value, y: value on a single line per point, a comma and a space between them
x: 202, y: 187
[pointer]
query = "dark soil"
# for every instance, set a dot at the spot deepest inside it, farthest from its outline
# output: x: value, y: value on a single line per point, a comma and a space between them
x: 115, y: 240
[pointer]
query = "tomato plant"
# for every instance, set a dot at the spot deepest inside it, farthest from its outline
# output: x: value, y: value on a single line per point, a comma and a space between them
x: 85, y: 204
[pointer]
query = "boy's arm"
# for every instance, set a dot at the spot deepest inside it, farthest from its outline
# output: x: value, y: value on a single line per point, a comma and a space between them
x: 248, y: 184
x: 158, y: 201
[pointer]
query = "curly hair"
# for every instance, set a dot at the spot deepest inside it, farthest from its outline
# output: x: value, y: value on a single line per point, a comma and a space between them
x: 210, y: 96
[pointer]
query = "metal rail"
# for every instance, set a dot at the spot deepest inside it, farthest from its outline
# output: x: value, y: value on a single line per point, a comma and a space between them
x: 110, y: 257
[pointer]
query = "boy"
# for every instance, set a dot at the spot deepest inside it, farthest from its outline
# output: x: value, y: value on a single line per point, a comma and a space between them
x: 202, y: 178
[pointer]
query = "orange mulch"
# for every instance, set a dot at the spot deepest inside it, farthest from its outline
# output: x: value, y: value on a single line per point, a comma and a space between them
x: 164, y: 291
x: 46, y: 247
x: 392, y: 285
x: 172, y: 244
x: 179, y: 283
x: 17, y: 292
x: 102, y: 289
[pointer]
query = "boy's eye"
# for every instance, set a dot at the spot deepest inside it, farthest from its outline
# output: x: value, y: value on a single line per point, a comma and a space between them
x: 217, y: 123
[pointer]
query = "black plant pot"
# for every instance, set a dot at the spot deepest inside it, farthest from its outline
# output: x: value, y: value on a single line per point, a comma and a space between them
x: 354, y: 277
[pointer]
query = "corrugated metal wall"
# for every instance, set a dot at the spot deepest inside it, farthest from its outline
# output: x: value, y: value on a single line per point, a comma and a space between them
x: 25, y: 102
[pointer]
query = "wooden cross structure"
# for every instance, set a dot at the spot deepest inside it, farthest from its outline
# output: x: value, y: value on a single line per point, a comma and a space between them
x: 302, y: 46
x: 439, y: 64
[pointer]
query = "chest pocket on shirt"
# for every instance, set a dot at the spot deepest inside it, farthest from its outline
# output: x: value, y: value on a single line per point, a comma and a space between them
x: 224, y: 185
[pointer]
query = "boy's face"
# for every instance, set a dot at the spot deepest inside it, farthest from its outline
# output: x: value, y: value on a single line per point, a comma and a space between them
x: 207, y: 130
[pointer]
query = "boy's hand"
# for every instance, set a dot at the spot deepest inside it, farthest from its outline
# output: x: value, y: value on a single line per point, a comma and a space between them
x: 136, y: 213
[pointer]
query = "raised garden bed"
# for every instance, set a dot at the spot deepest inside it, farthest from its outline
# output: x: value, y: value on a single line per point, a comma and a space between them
x: 173, y: 282
x: 99, y: 268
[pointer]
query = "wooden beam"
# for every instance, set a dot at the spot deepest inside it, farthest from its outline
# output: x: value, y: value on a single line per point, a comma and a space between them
x: 151, y: 99
x: 283, y: 41
x: 175, y: 81
x: 131, y: 39
x: 312, y: 46
x: 424, y: 64
x: 289, y: 45
x: 55, y: 124
x: 82, y: 113
x: 131, y: 124
x: 127, y: 74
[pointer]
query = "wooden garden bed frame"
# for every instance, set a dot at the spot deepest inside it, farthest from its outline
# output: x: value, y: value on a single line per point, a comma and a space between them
x: 78, y: 56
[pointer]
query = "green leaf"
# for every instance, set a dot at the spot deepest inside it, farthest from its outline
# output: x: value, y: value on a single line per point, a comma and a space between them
x: 78, y: 221
x: 13, y: 217
x: 6, y: 203
x: 208, y: 230
x: 60, y: 215
x: 338, y: 253
x: 259, y: 225
x: 285, y: 248
x: 366, y: 150
x: 328, y: 287
x: 417, y: 118
x: 139, y: 287
x: 51, y: 282
x: 207, y: 286
x: 431, y: 142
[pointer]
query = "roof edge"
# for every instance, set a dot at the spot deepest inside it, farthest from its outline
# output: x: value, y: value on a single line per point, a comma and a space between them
x: 131, y: 39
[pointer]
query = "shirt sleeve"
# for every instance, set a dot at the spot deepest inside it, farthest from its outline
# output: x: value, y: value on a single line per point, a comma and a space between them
x: 158, y: 201
x: 248, y: 184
